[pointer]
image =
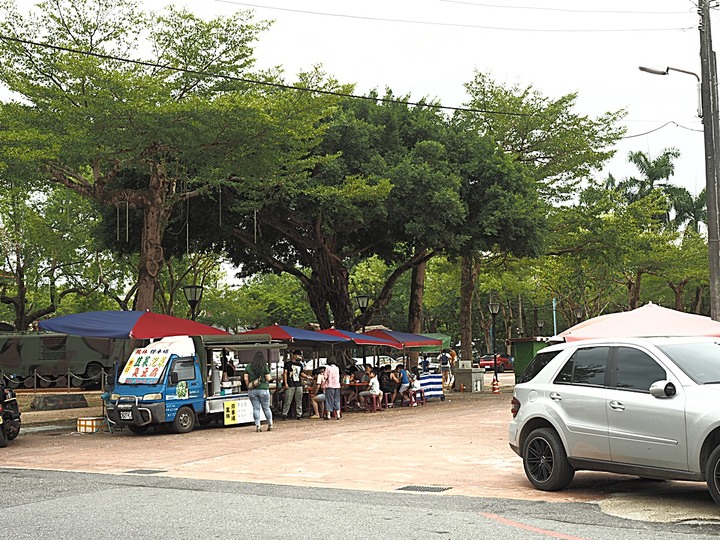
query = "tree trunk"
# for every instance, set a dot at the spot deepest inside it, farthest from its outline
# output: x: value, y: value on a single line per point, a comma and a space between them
x: 467, y: 286
x: 417, y: 288
x: 678, y: 291
x: 151, y: 255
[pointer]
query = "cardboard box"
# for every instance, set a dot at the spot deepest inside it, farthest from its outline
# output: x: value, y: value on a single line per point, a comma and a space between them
x: 91, y: 425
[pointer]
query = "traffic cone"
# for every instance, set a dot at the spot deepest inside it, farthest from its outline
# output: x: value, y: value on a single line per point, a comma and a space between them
x: 495, y: 386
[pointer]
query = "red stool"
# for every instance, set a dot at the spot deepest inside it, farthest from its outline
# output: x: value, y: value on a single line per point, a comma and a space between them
x: 373, y: 403
x: 387, y: 400
x: 420, y: 396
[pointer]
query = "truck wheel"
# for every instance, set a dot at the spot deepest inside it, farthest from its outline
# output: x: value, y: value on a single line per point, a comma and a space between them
x: 545, y: 461
x: 137, y: 430
x: 184, y: 420
x: 712, y: 474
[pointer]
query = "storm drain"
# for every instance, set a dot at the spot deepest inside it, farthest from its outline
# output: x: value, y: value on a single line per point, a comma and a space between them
x: 432, y: 489
x: 145, y: 471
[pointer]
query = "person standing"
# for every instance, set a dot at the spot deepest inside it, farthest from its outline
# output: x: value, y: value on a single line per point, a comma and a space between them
x: 292, y: 383
x: 444, y: 361
x: 259, y: 395
x: 332, y: 390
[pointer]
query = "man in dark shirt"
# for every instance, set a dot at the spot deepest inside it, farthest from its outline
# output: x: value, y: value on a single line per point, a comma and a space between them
x: 292, y: 383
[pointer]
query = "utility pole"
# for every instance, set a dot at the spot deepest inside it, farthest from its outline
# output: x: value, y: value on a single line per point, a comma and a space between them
x: 709, y: 97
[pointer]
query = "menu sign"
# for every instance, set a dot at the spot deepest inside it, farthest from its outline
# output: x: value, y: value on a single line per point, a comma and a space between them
x: 146, y: 365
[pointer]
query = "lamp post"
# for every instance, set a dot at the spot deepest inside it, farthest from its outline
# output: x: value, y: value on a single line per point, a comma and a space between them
x: 540, y: 324
x: 362, y: 300
x: 708, y: 111
x: 193, y: 295
x: 578, y: 314
x: 494, y: 308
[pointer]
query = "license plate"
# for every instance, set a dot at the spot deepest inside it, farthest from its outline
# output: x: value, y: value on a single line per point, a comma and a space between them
x: 125, y: 415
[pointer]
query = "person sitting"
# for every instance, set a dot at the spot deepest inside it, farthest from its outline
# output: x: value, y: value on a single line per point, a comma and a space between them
x: 387, y: 386
x: 372, y: 390
x: 404, y: 389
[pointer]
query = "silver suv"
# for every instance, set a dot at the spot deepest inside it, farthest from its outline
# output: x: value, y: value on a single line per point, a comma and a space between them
x: 643, y: 406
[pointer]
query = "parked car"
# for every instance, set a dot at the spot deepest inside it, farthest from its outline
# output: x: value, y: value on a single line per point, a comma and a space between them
x: 639, y: 406
x: 487, y: 361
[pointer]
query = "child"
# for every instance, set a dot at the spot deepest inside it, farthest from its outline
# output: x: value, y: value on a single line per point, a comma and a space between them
x: 373, y: 388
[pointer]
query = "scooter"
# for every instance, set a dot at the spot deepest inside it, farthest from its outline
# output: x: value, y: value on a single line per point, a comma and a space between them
x: 9, y: 416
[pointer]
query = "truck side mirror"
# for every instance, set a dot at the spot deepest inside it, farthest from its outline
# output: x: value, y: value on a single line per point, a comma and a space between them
x: 174, y: 377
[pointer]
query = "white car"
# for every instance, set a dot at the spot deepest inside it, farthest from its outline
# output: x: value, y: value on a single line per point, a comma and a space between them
x: 640, y: 406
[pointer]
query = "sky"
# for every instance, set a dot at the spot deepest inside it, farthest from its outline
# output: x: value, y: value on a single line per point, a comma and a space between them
x: 431, y: 48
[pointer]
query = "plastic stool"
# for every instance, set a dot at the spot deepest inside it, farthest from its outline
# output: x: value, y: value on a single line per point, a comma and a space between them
x: 387, y: 400
x: 420, y: 396
x: 373, y: 403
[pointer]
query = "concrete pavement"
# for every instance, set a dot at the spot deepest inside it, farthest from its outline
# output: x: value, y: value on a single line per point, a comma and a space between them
x: 459, y: 444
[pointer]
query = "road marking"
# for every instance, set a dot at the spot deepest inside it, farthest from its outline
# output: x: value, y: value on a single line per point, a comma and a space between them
x: 530, y: 528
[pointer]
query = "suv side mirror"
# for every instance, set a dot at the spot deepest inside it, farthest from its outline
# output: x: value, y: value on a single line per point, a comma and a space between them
x: 174, y: 377
x: 662, y: 389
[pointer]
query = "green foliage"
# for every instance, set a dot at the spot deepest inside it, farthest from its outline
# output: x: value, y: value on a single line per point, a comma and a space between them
x: 559, y: 147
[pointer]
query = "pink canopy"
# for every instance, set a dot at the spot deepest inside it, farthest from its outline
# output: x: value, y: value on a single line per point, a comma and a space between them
x: 649, y: 320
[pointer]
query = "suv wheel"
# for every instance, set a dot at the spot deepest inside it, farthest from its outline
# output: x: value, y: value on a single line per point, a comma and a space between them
x: 545, y: 461
x: 712, y: 474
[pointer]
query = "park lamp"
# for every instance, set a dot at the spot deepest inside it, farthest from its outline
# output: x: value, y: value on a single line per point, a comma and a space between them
x: 578, y: 313
x: 667, y: 71
x: 193, y: 295
x: 362, y: 301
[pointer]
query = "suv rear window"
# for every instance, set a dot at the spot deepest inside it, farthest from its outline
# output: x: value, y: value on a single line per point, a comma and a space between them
x: 585, y: 366
x: 536, y: 365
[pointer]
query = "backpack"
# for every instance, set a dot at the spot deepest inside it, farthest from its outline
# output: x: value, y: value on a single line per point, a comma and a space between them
x: 445, y: 359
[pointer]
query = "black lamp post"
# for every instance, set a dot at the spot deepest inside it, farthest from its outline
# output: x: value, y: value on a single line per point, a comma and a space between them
x: 578, y: 314
x: 494, y: 308
x: 540, y: 324
x: 362, y: 300
x: 193, y: 295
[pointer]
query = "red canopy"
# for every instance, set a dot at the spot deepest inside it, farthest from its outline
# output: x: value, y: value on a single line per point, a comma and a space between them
x: 647, y: 321
x: 126, y: 324
x: 361, y: 339
x: 405, y: 340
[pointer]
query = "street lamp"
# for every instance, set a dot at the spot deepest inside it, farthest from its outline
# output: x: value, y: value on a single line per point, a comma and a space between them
x: 494, y: 308
x: 578, y: 314
x: 540, y: 324
x: 708, y: 111
x: 362, y: 301
x: 193, y: 295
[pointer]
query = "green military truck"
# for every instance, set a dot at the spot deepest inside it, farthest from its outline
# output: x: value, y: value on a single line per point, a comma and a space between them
x: 46, y: 359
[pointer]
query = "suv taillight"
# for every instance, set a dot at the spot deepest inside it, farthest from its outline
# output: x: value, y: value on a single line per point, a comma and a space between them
x: 515, y: 406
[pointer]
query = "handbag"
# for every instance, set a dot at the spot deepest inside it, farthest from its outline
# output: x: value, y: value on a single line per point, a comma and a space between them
x: 254, y: 383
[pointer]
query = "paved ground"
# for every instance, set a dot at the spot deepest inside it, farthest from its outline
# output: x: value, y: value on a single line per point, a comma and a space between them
x: 460, y: 443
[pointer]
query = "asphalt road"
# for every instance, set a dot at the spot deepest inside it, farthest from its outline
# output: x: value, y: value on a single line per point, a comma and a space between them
x: 47, y: 504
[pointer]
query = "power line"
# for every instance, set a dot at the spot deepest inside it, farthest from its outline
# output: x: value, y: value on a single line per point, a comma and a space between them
x: 454, y: 25
x: 671, y: 122
x: 259, y: 82
x: 589, y: 11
